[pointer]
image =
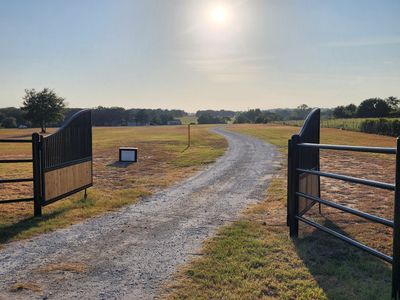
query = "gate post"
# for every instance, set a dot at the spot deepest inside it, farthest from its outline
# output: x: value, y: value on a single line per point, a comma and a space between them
x: 396, y: 230
x: 293, y: 186
x: 37, y: 201
x: 289, y: 183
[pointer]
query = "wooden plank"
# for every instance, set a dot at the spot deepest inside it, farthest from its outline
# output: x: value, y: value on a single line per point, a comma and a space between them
x: 308, y: 185
x: 64, y: 180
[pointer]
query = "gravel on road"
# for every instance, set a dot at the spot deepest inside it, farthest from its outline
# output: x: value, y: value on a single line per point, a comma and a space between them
x: 130, y: 253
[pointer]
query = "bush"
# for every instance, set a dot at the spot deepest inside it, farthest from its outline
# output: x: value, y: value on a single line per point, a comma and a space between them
x: 381, y: 126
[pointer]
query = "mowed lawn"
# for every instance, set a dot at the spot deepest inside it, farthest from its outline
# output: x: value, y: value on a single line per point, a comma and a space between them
x: 163, y: 160
x: 254, y: 258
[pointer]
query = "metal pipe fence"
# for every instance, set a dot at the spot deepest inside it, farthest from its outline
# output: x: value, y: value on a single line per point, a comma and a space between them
x: 304, y: 190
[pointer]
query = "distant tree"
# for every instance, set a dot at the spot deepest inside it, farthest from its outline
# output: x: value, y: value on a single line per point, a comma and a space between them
x: 339, y: 112
x: 9, y: 122
x: 2, y: 117
x: 326, y: 113
x: 393, y: 102
x: 303, y: 107
x: 43, y: 107
x: 142, y: 116
x: 14, y: 112
x: 209, y: 118
x: 348, y: 111
x: 351, y: 110
x: 373, y: 108
x: 301, y: 112
x: 242, y: 118
x: 217, y: 113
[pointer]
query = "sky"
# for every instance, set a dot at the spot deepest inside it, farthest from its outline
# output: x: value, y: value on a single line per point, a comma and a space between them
x: 200, y: 54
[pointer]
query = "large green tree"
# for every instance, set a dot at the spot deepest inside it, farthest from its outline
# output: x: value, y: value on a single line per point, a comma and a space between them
x: 43, y: 107
x: 373, y: 108
x: 393, y: 102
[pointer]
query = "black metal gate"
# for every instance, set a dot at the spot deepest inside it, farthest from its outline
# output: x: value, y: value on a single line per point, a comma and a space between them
x: 303, y: 161
x: 61, y: 162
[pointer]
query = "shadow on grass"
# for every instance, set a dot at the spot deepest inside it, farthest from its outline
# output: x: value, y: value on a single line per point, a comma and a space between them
x: 342, y: 270
x: 120, y: 164
x: 9, y: 231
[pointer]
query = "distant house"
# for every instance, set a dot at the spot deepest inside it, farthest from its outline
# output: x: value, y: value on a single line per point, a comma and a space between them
x: 174, y: 122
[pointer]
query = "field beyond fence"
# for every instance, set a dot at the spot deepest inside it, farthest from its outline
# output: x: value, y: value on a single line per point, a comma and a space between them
x: 382, y: 126
x: 253, y: 258
x: 163, y: 159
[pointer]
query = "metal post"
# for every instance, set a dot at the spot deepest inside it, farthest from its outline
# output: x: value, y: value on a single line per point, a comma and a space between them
x: 289, y: 183
x: 188, y: 135
x: 293, y: 199
x: 396, y: 231
x: 37, y: 201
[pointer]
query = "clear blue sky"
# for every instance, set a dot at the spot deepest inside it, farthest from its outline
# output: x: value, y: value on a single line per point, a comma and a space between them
x: 194, y: 54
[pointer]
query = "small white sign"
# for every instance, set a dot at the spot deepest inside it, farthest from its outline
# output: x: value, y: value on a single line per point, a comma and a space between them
x: 127, y: 154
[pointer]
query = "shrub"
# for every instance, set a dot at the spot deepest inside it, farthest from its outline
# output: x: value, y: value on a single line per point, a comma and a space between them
x: 381, y: 126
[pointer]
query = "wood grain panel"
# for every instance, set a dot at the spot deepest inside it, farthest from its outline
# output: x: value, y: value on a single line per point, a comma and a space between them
x: 67, y: 179
x: 308, y: 185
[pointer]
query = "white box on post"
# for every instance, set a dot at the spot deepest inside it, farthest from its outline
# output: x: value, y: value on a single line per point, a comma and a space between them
x: 128, y: 154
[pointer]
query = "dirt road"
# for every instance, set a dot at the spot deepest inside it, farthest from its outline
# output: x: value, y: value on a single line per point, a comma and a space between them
x: 130, y: 253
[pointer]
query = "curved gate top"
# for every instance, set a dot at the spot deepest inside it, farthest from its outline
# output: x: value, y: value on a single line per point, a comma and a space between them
x: 307, y: 158
x: 66, y: 158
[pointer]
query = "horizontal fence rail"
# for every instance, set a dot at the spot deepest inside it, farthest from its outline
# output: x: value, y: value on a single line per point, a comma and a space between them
x: 62, y: 162
x: 373, y: 183
x: 349, y: 210
x: 355, y: 243
x: 13, y: 161
x: 301, y: 189
x: 16, y: 200
x: 16, y: 180
x: 35, y: 148
x: 15, y: 141
x: 384, y: 150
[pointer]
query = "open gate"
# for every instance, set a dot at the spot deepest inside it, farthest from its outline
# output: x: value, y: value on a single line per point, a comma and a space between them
x: 304, y: 190
x: 62, y: 163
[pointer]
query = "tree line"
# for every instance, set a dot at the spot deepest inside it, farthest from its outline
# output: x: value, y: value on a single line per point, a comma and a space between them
x: 46, y: 109
x: 370, y: 108
x: 256, y: 115
x: 12, y: 117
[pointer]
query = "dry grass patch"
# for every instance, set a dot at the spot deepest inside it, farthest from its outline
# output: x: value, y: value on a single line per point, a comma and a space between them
x: 163, y: 160
x: 64, y: 267
x: 28, y: 286
x: 254, y: 258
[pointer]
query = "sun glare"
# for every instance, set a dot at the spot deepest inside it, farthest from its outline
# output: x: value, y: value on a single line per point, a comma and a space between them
x: 219, y: 14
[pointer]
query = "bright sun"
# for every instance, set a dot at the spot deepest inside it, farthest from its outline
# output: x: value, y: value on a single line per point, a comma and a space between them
x: 219, y: 14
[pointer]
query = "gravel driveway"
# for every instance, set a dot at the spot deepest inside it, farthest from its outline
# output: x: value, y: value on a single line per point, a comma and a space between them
x: 128, y: 254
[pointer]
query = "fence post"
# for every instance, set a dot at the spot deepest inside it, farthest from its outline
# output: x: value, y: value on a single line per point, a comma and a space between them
x: 37, y: 201
x: 188, y: 145
x: 396, y: 231
x: 293, y: 203
x: 289, y: 182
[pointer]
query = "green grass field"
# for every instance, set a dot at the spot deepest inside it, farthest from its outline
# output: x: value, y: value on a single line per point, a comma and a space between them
x: 353, y: 124
x: 254, y: 258
x: 163, y: 160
